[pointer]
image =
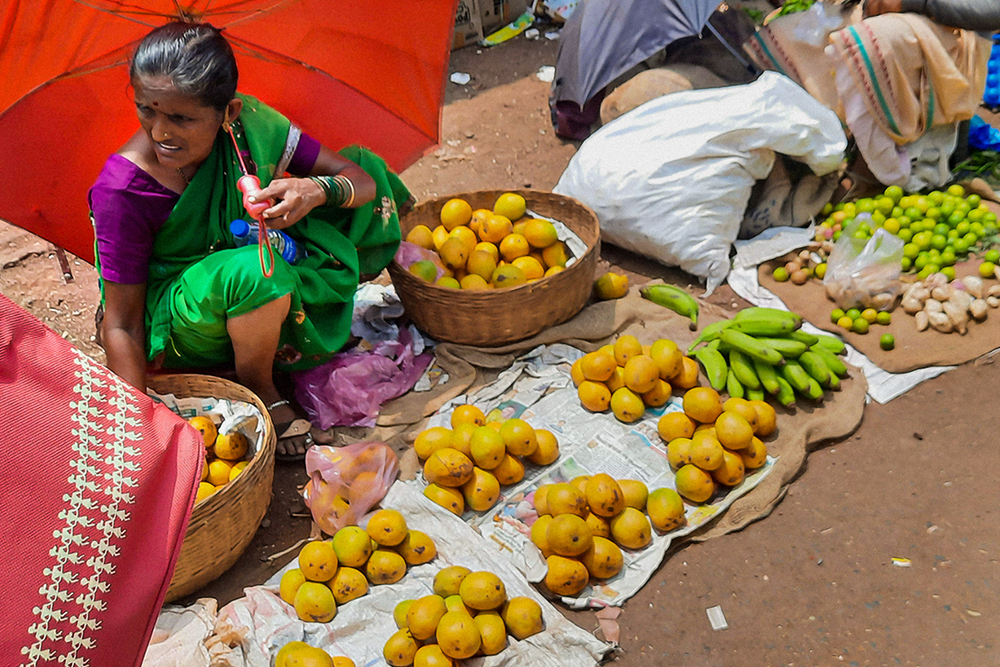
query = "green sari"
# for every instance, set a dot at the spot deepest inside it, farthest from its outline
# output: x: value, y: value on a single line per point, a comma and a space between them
x: 340, y: 244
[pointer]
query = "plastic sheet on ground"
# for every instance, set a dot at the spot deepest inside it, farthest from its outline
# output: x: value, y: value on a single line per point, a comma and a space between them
x: 883, y: 386
x: 538, y: 389
x: 194, y: 637
x: 362, y: 626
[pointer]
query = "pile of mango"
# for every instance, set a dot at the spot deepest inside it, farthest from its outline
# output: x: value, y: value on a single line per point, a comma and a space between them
x: 485, y: 249
x: 628, y: 377
x: 712, y: 442
x: 465, y: 465
x: 301, y: 654
x: 468, y: 615
x: 224, y: 456
x: 581, y: 525
x: 336, y: 571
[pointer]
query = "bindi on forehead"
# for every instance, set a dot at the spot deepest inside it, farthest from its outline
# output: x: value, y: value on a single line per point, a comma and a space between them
x: 156, y: 104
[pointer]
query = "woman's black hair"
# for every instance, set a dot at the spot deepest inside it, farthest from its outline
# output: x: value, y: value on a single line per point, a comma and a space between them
x: 196, y: 57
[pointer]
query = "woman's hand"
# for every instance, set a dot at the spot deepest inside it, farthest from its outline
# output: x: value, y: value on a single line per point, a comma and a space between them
x: 294, y: 198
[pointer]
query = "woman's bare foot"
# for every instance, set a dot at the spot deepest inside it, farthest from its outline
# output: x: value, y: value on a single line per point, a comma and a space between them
x: 293, y: 445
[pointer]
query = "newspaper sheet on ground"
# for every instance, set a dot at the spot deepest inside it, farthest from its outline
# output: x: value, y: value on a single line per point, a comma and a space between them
x: 362, y: 626
x: 538, y: 389
x: 227, y: 415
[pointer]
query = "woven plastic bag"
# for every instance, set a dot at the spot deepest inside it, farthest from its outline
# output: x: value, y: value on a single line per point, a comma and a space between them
x: 863, y: 272
x: 345, y: 482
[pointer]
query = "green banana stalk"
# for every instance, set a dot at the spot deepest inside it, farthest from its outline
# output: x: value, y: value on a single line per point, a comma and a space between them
x: 832, y: 344
x: 755, y: 394
x: 814, y: 392
x: 789, y: 349
x: 768, y: 326
x: 758, y: 312
x: 733, y: 386
x: 709, y: 333
x: 786, y: 395
x: 832, y: 361
x: 741, y: 366
x: 815, y: 366
x: 796, y: 376
x: 674, y: 298
x: 715, y: 366
x: 804, y: 337
x: 768, y: 376
x: 752, y: 347
x: 834, y: 381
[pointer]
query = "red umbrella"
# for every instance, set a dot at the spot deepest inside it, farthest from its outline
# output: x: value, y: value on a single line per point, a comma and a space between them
x: 346, y: 72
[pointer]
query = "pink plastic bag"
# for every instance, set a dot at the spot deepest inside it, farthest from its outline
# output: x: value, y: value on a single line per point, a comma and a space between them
x: 349, y: 389
x: 409, y: 253
x: 345, y: 482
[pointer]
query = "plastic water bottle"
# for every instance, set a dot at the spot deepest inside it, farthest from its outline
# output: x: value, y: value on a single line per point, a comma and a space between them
x: 991, y: 96
x: 246, y: 233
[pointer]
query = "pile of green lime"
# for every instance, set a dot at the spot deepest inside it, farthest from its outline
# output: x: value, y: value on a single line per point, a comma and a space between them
x: 859, y: 321
x: 939, y: 228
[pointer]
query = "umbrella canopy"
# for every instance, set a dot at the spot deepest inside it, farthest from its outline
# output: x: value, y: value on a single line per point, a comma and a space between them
x: 342, y: 72
x: 605, y: 38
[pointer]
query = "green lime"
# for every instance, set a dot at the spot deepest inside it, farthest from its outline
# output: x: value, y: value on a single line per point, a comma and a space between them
x: 907, y: 264
x: 913, y: 213
x: 948, y: 258
x: 935, y: 198
x: 975, y: 215
x: 925, y: 272
x: 845, y: 322
x: 860, y: 326
x: 887, y: 342
x: 949, y: 272
x: 836, y: 314
x: 891, y: 225
x: 906, y: 235
x: 955, y: 218
x: 977, y: 228
x: 973, y: 200
x: 780, y: 275
x: 828, y: 209
x: 865, y: 205
x: 956, y: 190
x: 921, y: 261
x: 884, y: 318
x: 933, y: 213
x: 986, y: 269
x: 992, y: 256
x: 894, y: 192
x: 820, y: 271
x: 869, y: 314
x: 989, y: 217
x: 963, y: 228
x: 853, y: 313
x: 939, y: 241
x: 941, y: 229
x: 911, y: 250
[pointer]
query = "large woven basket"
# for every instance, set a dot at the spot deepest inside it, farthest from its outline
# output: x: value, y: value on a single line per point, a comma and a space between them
x: 223, y: 524
x: 490, y: 318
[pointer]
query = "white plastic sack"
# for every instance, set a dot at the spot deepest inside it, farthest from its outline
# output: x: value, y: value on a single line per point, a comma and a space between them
x: 671, y: 179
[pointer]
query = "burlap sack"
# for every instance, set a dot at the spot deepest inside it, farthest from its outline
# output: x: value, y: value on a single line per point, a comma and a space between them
x: 799, y: 430
x: 914, y: 349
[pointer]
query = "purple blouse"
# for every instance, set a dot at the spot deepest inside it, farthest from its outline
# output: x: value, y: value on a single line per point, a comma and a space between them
x: 130, y: 207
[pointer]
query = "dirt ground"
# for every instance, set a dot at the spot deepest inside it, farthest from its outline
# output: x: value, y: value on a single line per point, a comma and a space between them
x: 812, y: 584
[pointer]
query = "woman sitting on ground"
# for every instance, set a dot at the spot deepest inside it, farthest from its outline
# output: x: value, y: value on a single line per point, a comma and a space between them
x: 177, y: 291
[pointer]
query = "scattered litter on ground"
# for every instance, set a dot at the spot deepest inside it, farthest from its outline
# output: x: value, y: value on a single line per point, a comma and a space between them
x: 461, y: 78
x: 552, y: 35
x: 546, y: 73
x: 717, y: 618
x: 901, y: 562
x: 606, y: 619
x: 531, y: 33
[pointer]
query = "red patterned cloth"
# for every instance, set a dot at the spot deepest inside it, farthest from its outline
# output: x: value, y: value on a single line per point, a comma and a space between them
x: 96, y: 487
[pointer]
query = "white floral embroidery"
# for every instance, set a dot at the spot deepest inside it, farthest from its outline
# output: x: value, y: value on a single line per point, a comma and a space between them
x: 106, y: 457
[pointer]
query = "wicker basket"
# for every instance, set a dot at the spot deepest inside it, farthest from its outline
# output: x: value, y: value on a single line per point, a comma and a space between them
x: 223, y: 524
x: 496, y: 317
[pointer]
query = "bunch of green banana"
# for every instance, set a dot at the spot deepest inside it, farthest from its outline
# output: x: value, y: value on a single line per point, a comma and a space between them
x: 674, y: 298
x: 762, y: 351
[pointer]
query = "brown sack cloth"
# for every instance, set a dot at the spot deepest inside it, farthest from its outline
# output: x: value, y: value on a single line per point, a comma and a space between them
x: 799, y: 429
x: 914, y: 349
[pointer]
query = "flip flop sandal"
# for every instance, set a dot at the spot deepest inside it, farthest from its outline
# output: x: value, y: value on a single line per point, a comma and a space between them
x: 296, y: 428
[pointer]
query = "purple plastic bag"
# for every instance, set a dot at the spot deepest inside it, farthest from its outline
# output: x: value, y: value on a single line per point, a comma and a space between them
x: 349, y: 389
x: 409, y: 253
